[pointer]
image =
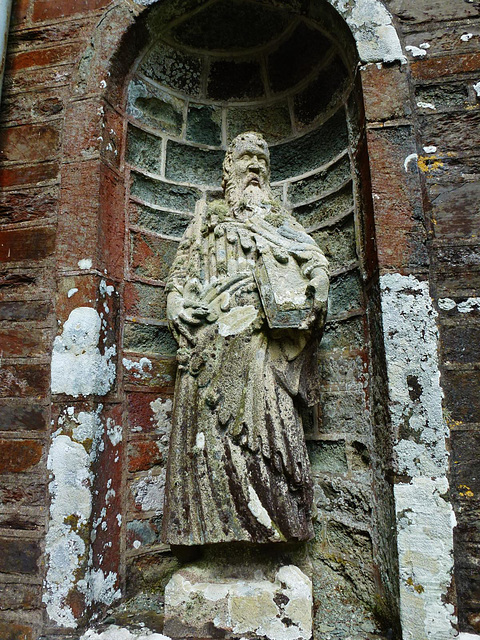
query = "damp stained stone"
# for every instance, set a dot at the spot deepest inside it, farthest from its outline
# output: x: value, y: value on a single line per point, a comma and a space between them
x: 204, y: 124
x: 314, y: 100
x: 145, y: 300
x: 319, y: 183
x: 231, y: 25
x: 143, y: 338
x: 168, y: 223
x: 343, y: 412
x: 164, y: 194
x: 151, y: 256
x: 296, y: 58
x: 343, y: 336
x: 338, y: 243
x: 273, y: 122
x: 155, y: 107
x: 144, y: 150
x: 232, y: 79
x: 311, y: 150
x: 191, y: 164
x: 326, y: 456
x: 338, y: 203
x: 173, y: 68
x: 345, y: 294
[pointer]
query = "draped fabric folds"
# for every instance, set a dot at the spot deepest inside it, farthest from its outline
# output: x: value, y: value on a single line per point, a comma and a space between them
x: 238, y: 468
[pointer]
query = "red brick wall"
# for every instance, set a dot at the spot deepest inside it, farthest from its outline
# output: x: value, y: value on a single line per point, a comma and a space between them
x: 62, y: 187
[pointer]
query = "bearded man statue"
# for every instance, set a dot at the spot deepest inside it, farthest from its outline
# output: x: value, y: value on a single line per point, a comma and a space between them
x: 247, y: 297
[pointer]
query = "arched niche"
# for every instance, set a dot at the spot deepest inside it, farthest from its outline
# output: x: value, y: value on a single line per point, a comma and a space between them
x: 290, y: 71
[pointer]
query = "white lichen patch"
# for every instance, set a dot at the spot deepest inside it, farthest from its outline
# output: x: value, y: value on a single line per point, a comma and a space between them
x: 149, y: 492
x: 86, y: 263
x: 113, y: 632
x: 417, y: 52
x: 70, y: 510
x: 430, y: 149
x: 98, y: 587
x: 278, y: 610
x: 410, y: 158
x: 373, y: 30
x: 114, y: 432
x: 71, y: 292
x: 425, y: 542
x: 476, y: 88
x: 78, y: 367
x: 426, y: 105
x: 424, y: 514
x: 411, y: 338
x: 467, y: 306
x: 104, y: 289
x: 140, y: 369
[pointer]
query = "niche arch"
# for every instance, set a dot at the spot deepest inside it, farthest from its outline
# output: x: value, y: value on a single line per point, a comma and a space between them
x: 197, y: 83
x: 156, y: 144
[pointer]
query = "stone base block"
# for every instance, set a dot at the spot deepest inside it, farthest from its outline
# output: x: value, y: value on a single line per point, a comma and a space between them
x: 199, y: 605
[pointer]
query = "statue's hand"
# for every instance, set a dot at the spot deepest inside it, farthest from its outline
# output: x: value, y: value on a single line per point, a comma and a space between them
x: 318, y: 287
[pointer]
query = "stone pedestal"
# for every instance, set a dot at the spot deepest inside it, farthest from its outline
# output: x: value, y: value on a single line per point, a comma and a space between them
x: 200, y: 604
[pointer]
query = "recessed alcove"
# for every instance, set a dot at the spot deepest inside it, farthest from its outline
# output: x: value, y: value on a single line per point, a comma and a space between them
x: 291, y: 74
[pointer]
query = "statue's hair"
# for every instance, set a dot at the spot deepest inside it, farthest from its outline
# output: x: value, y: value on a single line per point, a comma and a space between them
x: 236, y: 142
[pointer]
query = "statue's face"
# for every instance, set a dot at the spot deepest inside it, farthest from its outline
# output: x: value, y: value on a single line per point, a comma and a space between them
x: 250, y: 167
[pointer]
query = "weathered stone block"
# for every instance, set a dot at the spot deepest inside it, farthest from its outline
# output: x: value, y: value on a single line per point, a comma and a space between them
x: 155, y: 107
x: 44, y: 10
x: 273, y: 122
x: 199, y: 604
x: 144, y: 455
x: 26, y: 244
x: 150, y: 372
x: 338, y: 243
x: 151, y: 256
x: 311, y: 150
x: 314, y: 186
x: 336, y: 204
x: 191, y: 164
x: 165, y: 222
x: 345, y: 294
x: 19, y: 555
x: 30, y: 174
x: 20, y: 455
x: 174, y: 69
x: 328, y: 457
x: 322, y: 93
x: 22, y: 417
x: 24, y: 380
x: 14, y: 631
x: 144, y: 300
x: 20, y: 311
x: 204, y: 124
x: 28, y: 205
x: 163, y: 194
x: 144, y: 150
x: 386, y: 92
x: 144, y: 338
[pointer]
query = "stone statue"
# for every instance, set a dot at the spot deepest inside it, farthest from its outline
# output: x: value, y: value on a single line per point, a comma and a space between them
x: 247, y: 297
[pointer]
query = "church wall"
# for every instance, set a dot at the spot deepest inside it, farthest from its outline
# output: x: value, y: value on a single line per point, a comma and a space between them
x: 62, y: 146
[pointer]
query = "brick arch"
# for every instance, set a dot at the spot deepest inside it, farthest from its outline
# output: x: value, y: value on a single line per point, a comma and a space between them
x: 91, y: 226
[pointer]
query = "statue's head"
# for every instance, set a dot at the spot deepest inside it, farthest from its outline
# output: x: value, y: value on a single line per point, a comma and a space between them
x: 246, y: 169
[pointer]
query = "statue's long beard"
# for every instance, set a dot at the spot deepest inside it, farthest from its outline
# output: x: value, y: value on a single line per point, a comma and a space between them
x: 238, y: 197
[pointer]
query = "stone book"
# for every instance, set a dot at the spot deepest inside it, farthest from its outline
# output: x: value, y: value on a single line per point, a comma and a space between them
x: 283, y: 291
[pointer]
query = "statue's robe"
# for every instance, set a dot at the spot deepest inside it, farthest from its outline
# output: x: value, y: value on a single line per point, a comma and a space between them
x: 238, y: 468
